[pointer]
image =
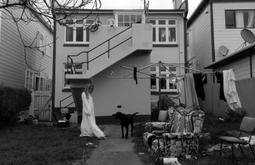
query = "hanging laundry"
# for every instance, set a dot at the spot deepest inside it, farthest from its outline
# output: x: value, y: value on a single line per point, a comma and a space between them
x: 230, y: 91
x: 190, y: 92
x: 204, y: 79
x: 180, y: 88
x: 219, y: 76
x: 199, y: 80
x: 135, y: 74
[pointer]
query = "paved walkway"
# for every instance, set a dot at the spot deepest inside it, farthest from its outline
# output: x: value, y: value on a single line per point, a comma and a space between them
x: 114, y: 150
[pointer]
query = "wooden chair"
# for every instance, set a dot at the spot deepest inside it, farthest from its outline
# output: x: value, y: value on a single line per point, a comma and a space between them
x: 247, y: 127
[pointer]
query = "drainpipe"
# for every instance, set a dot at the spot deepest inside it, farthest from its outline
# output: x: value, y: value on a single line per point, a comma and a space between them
x: 185, y: 43
x: 159, y: 88
x: 54, y: 59
x: 185, y: 20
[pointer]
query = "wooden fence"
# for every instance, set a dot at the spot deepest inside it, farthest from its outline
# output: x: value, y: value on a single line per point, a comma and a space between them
x: 41, y: 105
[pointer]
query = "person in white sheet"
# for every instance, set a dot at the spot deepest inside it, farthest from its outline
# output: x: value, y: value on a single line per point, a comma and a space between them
x: 88, y: 124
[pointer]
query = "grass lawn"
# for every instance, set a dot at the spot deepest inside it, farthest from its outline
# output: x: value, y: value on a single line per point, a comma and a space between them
x: 43, y: 145
x: 216, y: 128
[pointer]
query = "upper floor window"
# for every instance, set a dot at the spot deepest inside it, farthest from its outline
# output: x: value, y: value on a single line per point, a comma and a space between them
x: 76, y: 31
x: 128, y: 20
x: 240, y: 18
x: 164, y: 31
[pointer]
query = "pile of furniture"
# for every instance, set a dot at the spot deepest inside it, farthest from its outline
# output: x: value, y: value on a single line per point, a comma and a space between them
x: 176, y: 134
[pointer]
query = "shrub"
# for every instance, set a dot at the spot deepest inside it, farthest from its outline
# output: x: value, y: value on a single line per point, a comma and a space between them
x: 12, y: 101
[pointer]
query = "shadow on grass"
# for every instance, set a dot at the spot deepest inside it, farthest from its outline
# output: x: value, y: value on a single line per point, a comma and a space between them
x: 44, y: 145
x: 215, y: 128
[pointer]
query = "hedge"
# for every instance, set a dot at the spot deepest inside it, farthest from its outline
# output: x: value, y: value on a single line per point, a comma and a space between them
x: 12, y: 101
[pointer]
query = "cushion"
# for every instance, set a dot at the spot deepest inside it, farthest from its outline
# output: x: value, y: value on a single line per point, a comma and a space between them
x: 231, y: 139
x: 162, y: 116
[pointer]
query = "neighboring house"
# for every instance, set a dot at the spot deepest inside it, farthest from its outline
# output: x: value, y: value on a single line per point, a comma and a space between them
x: 214, y: 34
x: 243, y: 64
x: 108, y: 54
x: 26, y: 67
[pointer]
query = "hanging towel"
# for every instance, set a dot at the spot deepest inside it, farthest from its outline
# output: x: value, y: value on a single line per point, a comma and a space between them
x: 180, y: 88
x: 230, y: 91
x: 190, y: 92
x: 219, y: 76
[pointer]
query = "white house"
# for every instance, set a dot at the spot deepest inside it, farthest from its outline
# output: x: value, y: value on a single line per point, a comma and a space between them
x: 105, y: 46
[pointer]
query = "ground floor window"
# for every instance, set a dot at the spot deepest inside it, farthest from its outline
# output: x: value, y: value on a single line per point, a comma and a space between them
x: 37, y: 81
x: 163, y: 78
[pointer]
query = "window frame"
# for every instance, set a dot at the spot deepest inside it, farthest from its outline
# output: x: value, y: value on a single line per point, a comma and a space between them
x: 167, y: 74
x: 30, y: 81
x: 165, y: 26
x: 130, y: 15
x: 74, y: 26
x: 235, y: 26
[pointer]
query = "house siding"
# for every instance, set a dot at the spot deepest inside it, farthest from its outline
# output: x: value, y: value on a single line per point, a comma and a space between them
x: 240, y: 67
x: 200, y: 44
x: 230, y: 38
x: 170, y: 54
x: 253, y: 65
x: 111, y: 92
x: 12, y: 54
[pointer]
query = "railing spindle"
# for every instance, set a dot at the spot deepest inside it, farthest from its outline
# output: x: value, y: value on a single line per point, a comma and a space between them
x: 108, y: 48
x: 87, y: 60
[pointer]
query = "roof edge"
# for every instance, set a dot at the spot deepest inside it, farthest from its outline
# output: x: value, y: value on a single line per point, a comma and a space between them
x: 236, y: 55
x: 110, y: 11
x: 203, y: 4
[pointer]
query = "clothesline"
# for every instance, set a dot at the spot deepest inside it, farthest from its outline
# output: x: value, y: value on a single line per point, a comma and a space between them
x: 188, y: 68
x: 139, y: 70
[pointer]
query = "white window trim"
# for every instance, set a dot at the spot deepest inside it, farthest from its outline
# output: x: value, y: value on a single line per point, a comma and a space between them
x: 41, y: 42
x: 166, y: 26
x: 34, y: 75
x: 27, y: 83
x: 0, y: 25
x: 167, y: 73
x: 128, y: 13
x: 74, y: 33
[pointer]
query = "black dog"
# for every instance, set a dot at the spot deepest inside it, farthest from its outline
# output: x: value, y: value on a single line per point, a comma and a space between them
x: 125, y: 121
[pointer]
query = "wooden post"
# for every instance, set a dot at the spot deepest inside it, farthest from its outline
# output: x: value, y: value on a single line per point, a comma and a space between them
x: 159, y: 89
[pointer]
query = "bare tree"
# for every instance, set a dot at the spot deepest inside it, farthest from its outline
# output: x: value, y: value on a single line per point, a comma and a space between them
x: 26, y: 11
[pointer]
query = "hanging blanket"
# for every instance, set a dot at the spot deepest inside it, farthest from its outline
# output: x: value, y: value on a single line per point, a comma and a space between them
x: 230, y: 91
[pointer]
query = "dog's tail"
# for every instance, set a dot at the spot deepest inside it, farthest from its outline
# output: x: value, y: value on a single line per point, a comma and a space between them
x: 135, y: 113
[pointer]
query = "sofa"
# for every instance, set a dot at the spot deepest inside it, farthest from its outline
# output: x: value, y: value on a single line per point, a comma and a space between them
x: 177, y: 136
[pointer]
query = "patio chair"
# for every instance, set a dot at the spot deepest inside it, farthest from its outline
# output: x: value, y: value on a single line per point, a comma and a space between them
x: 247, y: 126
x: 163, y: 124
x: 184, y: 138
x: 58, y: 119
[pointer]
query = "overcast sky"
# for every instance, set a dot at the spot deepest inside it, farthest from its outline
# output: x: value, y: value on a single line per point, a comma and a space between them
x: 138, y: 4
